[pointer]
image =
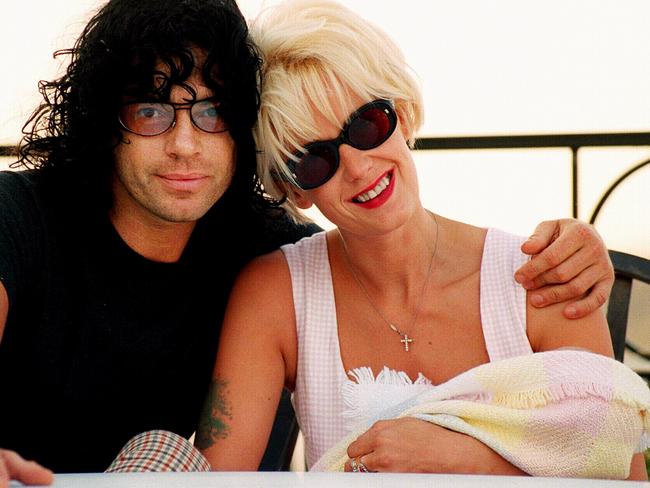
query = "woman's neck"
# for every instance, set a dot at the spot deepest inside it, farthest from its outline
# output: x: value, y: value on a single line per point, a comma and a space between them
x: 403, y: 257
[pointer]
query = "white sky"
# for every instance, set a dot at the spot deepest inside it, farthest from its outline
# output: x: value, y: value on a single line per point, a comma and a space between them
x: 486, y: 67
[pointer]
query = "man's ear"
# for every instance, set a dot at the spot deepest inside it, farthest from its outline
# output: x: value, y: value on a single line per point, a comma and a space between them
x: 300, y: 199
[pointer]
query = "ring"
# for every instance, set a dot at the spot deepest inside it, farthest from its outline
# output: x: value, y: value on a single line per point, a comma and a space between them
x: 357, y: 466
x: 362, y: 467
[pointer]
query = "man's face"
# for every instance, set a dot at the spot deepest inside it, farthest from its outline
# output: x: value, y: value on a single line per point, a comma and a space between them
x: 174, y: 177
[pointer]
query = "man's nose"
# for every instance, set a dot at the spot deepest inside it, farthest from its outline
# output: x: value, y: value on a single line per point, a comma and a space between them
x: 182, y: 140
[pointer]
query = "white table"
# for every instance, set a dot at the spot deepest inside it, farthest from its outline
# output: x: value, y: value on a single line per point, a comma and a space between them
x: 320, y: 480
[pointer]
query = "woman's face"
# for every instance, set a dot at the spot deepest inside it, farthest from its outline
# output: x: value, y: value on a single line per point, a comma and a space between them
x: 373, y: 191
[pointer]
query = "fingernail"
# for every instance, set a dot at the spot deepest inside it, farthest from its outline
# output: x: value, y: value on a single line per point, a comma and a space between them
x: 519, y: 277
x: 571, y: 312
x: 528, y: 285
x: 537, y: 300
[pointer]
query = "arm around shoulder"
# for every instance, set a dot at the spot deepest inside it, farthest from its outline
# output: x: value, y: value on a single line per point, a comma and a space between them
x: 254, y: 362
x: 570, y: 264
x: 4, y: 309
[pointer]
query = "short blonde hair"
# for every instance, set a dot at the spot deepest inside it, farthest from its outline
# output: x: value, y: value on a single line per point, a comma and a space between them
x: 313, y: 50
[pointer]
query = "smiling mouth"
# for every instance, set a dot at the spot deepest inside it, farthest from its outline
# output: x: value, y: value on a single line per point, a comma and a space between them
x: 375, y: 191
x: 181, y: 176
x: 183, y: 182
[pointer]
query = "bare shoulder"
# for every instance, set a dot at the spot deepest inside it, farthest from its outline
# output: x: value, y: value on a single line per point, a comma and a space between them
x: 548, y: 329
x: 471, y: 237
x: 273, y: 261
x: 264, y: 282
x: 460, y: 248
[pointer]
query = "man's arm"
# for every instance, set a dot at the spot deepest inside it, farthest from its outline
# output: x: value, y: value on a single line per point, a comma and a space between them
x: 4, y: 309
x: 12, y: 466
x: 570, y: 264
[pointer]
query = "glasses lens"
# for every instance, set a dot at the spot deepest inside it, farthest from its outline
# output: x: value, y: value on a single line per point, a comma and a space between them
x: 316, y: 166
x: 206, y: 116
x: 368, y: 128
x: 147, y: 119
x: 371, y: 127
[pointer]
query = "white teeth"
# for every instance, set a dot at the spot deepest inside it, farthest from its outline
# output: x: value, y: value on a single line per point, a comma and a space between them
x: 381, y: 186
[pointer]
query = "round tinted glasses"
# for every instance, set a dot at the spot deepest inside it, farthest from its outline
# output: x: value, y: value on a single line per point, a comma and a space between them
x: 367, y: 128
x: 154, y: 118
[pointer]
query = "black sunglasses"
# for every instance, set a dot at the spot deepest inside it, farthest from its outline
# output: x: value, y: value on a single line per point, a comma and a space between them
x: 367, y: 128
x: 154, y: 118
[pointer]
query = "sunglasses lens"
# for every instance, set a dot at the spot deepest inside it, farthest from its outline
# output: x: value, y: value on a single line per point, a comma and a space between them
x: 371, y: 127
x: 368, y: 128
x: 317, y: 166
x: 206, y: 116
x: 147, y: 119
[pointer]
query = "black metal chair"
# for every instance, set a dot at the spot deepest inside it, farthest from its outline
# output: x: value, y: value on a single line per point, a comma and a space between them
x: 282, y: 441
x: 627, y: 268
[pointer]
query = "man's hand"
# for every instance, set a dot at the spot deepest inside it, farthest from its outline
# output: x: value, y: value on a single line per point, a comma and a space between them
x: 14, y: 467
x: 569, y: 261
x: 410, y: 445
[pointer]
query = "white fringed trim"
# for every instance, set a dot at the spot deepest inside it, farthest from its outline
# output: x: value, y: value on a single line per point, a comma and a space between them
x: 387, y: 376
x: 358, y: 394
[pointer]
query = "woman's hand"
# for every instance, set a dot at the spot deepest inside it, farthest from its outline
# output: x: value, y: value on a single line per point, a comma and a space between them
x: 570, y: 261
x: 416, y: 446
x: 14, y: 467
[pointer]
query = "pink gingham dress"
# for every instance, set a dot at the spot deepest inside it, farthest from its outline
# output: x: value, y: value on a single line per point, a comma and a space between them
x: 326, y: 398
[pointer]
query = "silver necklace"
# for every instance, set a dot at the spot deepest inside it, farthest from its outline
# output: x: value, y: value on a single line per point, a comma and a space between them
x: 404, y: 337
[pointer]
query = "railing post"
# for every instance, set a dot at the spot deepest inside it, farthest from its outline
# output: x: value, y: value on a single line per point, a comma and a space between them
x: 574, y: 180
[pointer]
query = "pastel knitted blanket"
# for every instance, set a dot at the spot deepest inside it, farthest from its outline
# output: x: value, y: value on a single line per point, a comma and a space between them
x: 558, y: 413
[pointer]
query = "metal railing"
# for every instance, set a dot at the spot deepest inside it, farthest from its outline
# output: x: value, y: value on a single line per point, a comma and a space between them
x: 8, y: 151
x: 573, y: 142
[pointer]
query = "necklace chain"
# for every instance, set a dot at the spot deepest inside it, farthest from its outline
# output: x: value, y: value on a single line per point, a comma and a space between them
x: 405, y: 339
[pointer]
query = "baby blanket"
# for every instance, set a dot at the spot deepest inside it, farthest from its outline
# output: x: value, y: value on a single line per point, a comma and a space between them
x: 558, y: 413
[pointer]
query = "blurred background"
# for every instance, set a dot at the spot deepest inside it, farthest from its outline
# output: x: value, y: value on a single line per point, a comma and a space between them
x: 501, y: 67
x: 487, y: 68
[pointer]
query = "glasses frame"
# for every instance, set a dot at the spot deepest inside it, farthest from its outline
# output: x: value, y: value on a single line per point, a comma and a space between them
x: 343, y: 138
x: 176, y: 107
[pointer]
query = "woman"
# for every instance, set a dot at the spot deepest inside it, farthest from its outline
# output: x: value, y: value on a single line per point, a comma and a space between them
x: 398, y: 297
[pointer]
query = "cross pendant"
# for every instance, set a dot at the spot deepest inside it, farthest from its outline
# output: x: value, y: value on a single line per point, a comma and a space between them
x: 406, y: 340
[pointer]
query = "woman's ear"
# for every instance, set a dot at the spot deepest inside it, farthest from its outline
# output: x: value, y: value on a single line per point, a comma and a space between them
x: 404, y: 124
x: 300, y: 199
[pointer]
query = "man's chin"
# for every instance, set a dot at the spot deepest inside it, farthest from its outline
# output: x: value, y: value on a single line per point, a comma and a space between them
x: 181, y: 212
x: 182, y: 217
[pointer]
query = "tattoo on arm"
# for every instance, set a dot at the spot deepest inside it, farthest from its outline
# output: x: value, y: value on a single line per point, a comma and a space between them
x: 216, y: 411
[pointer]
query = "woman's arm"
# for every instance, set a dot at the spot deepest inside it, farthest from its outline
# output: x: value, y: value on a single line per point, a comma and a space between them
x: 548, y: 329
x: 411, y: 445
x: 408, y: 444
x: 257, y: 338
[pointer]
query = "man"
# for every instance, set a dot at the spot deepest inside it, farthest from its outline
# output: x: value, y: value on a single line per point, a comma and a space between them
x: 119, y: 248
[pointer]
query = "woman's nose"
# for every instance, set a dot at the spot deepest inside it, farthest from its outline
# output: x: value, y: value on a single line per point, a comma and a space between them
x: 356, y: 163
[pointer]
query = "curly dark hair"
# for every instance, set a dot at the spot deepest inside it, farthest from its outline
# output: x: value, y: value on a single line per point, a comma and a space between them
x: 75, y: 129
